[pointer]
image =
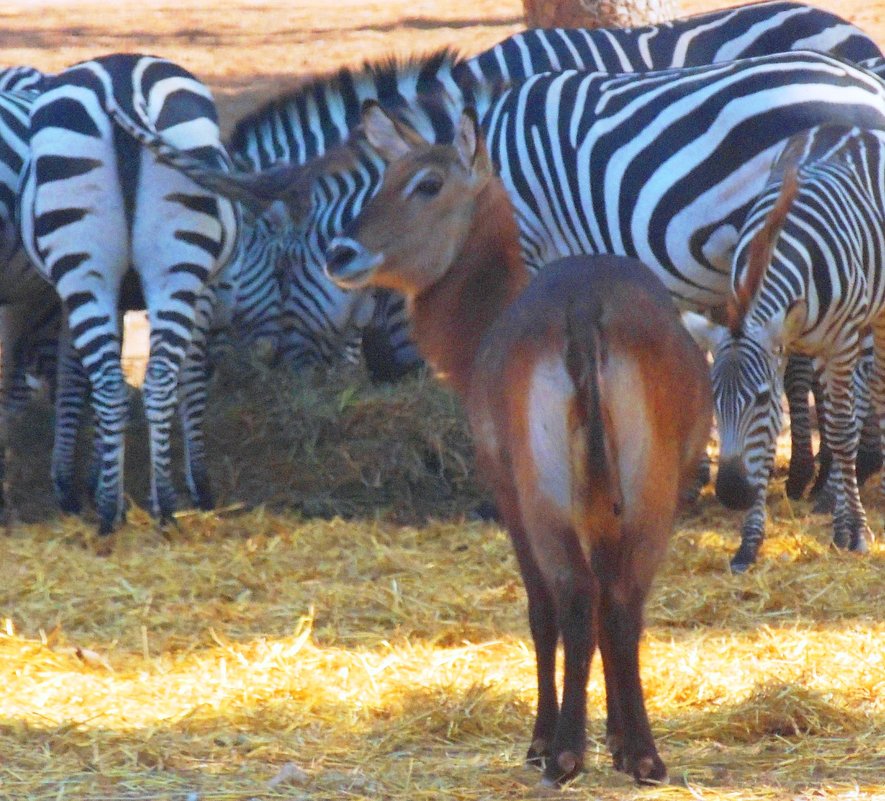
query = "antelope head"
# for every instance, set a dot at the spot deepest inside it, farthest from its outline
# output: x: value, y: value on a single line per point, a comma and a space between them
x: 407, y: 236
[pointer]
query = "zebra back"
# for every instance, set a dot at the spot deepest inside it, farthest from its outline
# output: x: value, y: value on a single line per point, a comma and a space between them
x: 746, y: 31
x: 19, y: 79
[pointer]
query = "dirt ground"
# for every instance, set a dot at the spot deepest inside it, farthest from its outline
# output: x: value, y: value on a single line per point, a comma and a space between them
x: 250, y: 49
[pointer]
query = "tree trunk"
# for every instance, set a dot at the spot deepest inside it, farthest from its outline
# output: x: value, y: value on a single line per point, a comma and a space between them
x: 597, y: 13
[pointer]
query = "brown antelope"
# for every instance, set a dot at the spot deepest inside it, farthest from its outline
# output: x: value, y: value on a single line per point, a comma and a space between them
x: 589, y: 404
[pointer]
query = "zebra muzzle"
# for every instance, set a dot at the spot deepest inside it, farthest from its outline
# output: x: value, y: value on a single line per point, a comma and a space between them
x: 732, y: 487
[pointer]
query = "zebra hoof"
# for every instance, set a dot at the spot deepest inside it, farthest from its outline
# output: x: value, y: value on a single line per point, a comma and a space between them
x: 799, y: 478
x: 484, y: 512
x: 841, y: 539
x: 743, y: 559
x: 860, y: 540
x: 868, y: 462
x: 824, y: 503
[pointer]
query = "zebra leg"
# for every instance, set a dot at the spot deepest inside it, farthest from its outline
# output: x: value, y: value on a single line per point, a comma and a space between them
x: 798, y: 378
x: 877, y: 387
x: 160, y: 391
x: 192, y: 396
x: 869, y: 451
x: 850, y: 529
x: 71, y: 396
x: 753, y: 527
x: 111, y: 401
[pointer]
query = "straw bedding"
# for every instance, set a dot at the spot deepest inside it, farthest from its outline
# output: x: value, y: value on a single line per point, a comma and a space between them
x: 341, y: 630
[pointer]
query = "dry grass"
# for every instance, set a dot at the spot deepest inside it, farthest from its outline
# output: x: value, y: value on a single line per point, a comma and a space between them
x: 273, y: 654
x: 368, y: 659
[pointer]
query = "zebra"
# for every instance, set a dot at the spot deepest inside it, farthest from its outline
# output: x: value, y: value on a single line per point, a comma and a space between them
x: 745, y: 31
x: 29, y: 310
x: 92, y: 204
x: 808, y: 277
x: 21, y: 79
x: 299, y: 126
x: 713, y: 171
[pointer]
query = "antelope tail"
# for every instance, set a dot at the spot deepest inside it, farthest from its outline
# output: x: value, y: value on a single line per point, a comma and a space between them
x: 761, y: 248
x: 597, y: 500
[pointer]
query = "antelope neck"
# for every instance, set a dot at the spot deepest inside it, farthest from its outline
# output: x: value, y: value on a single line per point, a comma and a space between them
x: 450, y: 318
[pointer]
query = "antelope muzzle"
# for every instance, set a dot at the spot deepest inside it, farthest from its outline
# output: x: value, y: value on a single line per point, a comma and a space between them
x: 349, y: 264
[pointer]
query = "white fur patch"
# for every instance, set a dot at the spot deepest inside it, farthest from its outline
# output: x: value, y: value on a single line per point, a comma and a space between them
x: 633, y: 429
x: 550, y: 393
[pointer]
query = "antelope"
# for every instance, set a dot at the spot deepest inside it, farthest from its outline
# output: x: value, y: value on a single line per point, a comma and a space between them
x: 589, y: 404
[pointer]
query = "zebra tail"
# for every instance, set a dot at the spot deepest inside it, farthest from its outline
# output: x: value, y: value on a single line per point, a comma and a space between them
x: 761, y: 249
x: 597, y: 500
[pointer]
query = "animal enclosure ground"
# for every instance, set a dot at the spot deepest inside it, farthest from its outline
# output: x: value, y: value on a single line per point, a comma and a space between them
x: 286, y: 652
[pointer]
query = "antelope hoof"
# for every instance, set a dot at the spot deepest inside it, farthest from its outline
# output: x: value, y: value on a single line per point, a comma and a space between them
x: 615, y: 743
x: 105, y: 544
x: 539, y: 752
x: 566, y: 766
x: 650, y: 770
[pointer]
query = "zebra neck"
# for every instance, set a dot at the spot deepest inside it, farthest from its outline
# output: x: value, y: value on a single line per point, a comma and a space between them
x: 450, y: 318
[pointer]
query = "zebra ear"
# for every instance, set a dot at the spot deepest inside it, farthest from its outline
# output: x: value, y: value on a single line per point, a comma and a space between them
x: 706, y: 334
x: 794, y: 320
x: 391, y: 138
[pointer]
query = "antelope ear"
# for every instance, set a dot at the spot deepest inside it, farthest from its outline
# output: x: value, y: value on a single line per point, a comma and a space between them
x: 706, y: 334
x: 471, y: 146
x: 392, y: 139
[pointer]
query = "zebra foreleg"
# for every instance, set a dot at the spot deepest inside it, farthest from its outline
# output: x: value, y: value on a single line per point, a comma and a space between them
x: 753, y: 527
x: 798, y: 379
x: 752, y: 534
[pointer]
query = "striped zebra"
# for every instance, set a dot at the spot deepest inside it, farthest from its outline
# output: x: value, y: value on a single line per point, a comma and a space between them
x: 808, y: 278
x: 29, y: 309
x: 302, y: 125
x: 661, y: 165
x: 746, y: 31
x: 21, y: 79
x: 869, y: 453
x: 92, y: 204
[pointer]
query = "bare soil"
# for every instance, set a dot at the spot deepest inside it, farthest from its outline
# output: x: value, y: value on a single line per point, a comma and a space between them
x: 251, y: 49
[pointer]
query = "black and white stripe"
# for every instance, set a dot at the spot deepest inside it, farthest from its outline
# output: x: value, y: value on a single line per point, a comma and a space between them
x: 302, y: 125
x: 29, y: 309
x: 93, y: 203
x: 823, y: 283
x: 746, y: 31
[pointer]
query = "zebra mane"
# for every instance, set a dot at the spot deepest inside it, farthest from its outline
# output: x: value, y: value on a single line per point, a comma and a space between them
x: 332, y: 102
x: 760, y: 251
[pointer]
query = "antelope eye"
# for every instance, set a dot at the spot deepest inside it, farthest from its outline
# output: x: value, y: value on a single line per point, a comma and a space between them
x: 429, y: 185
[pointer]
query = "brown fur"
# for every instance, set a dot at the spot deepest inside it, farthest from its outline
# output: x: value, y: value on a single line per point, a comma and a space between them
x: 760, y: 251
x: 590, y: 407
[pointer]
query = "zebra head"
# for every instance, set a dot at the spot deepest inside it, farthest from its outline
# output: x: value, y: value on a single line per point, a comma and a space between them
x: 747, y: 386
